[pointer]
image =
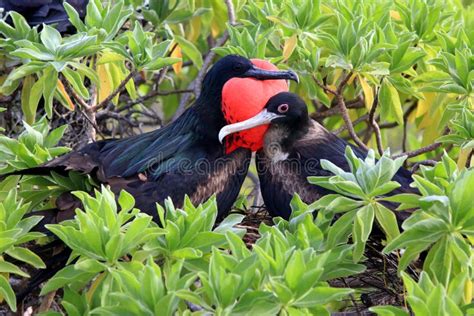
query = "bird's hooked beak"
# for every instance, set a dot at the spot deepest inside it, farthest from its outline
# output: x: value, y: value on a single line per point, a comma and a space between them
x: 263, y: 74
x: 262, y: 118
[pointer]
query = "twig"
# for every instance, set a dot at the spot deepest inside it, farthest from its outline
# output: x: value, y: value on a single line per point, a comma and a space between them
x: 356, y: 122
x: 375, y: 126
x: 47, y: 301
x: 131, y: 103
x: 230, y: 12
x: 351, y: 296
x: 352, y: 104
x: 422, y: 150
x: 348, y: 122
x: 342, y: 107
x: 417, y: 164
x: 119, y: 89
x: 322, y: 86
x: 87, y: 112
x: 75, y: 95
x: 210, y: 56
x: 419, y: 151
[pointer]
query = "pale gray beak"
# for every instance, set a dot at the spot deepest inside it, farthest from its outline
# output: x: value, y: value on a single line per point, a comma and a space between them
x: 261, y: 118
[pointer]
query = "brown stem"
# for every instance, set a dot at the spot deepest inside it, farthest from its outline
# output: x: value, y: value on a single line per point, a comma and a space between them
x: 47, y: 301
x: 210, y: 56
x: 427, y: 162
x: 469, y: 158
x: 375, y: 126
x: 322, y: 86
x: 207, y: 63
x: 356, y: 122
x: 153, y: 94
x: 419, y: 151
x: 119, y: 89
x: 230, y: 12
x: 352, y: 104
x: 77, y: 97
x: 342, y: 107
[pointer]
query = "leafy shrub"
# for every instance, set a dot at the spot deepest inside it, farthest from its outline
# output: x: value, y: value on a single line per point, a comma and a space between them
x: 14, y: 233
x: 382, y: 74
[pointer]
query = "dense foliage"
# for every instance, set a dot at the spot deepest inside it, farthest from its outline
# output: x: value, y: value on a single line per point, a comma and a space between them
x: 382, y: 74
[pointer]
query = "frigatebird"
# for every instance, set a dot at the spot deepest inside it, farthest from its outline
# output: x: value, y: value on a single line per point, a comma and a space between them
x: 183, y: 158
x: 292, y: 147
x: 37, y: 12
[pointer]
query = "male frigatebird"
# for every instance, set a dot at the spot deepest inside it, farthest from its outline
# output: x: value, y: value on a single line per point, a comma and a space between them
x: 184, y: 157
x: 292, y: 147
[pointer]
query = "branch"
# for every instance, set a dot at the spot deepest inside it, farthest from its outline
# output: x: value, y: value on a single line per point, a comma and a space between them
x: 153, y: 94
x: 210, y: 56
x: 375, y: 126
x: 345, y: 114
x: 417, y: 164
x: 356, y: 122
x: 230, y: 12
x: 322, y: 86
x: 352, y: 104
x: 419, y: 151
x: 119, y: 89
x: 75, y: 95
x: 422, y: 150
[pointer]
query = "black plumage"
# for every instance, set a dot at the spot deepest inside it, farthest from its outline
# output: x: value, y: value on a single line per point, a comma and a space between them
x: 182, y: 158
x: 37, y: 12
x: 293, y: 147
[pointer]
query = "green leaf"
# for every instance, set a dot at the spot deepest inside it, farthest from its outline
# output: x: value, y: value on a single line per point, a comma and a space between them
x: 387, y: 220
x: 76, y: 81
x: 66, y: 276
x: 391, y: 107
x: 28, y: 109
x: 388, y: 311
x: 7, y: 267
x: 190, y: 50
x: 26, y: 255
x: 429, y: 230
x: 7, y: 293
x: 364, y: 220
x: 49, y: 87
x: 74, y: 17
x: 50, y: 37
x: 159, y: 63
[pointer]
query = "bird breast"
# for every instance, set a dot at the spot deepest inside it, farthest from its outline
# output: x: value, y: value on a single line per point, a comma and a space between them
x: 273, y: 144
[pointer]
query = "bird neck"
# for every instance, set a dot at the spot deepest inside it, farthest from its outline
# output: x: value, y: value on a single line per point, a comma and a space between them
x: 211, y: 119
x: 283, y: 136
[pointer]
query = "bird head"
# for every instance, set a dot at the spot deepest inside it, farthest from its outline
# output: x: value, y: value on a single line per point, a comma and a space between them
x: 284, y: 108
x: 243, y: 97
x: 234, y: 66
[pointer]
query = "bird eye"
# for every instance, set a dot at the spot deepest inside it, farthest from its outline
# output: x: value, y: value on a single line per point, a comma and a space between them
x: 283, y: 108
x: 238, y: 67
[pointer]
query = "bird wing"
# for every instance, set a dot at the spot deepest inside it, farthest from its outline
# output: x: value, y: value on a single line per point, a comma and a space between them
x: 173, y: 161
x: 279, y: 181
x: 319, y: 144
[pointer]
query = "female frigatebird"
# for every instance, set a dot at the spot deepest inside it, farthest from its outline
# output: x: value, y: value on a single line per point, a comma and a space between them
x: 292, y: 147
x: 184, y: 157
